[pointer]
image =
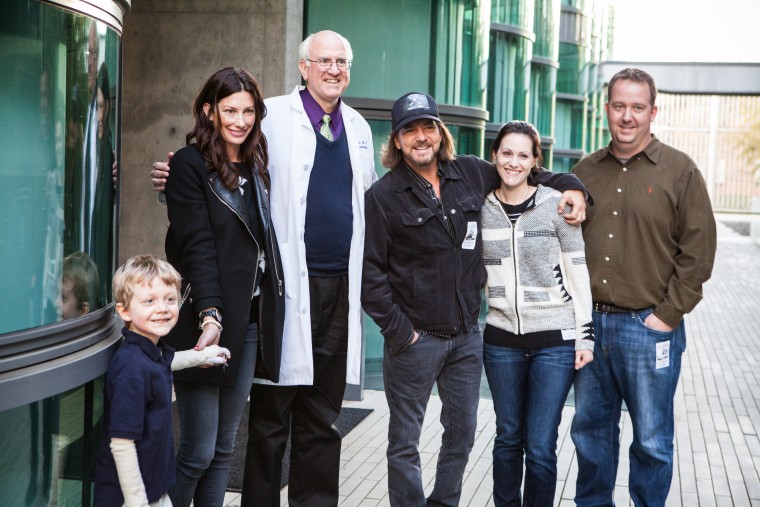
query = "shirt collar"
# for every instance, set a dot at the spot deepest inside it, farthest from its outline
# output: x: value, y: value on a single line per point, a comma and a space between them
x: 144, y: 344
x: 651, y: 151
x: 315, y: 112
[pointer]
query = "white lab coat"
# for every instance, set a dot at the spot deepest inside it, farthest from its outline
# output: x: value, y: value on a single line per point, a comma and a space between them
x: 292, y: 144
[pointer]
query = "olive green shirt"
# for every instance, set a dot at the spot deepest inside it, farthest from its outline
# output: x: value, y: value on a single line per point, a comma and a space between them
x: 650, y: 236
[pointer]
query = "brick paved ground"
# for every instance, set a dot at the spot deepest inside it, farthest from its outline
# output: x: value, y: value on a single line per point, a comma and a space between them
x: 717, y: 410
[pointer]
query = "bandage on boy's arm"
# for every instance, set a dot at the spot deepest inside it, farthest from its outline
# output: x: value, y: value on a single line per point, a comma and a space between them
x: 127, y: 467
x: 210, y: 356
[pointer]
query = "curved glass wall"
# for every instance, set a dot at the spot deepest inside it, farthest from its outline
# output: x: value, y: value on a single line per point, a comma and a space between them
x: 460, y: 52
x: 49, y: 448
x: 543, y: 84
x: 546, y: 28
x: 509, y: 77
x: 514, y: 13
x: 58, y: 97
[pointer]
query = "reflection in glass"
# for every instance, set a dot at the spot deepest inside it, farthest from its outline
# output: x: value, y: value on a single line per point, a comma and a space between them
x: 57, y: 95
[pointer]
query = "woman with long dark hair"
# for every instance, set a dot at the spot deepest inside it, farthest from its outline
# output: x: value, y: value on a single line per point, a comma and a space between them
x: 222, y: 242
x: 538, y: 328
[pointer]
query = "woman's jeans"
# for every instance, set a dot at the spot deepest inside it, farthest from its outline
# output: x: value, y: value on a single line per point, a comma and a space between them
x: 529, y: 389
x: 639, y: 366
x: 455, y: 365
x: 209, y: 416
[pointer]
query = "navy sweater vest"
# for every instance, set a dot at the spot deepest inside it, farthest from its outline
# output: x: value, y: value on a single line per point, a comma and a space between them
x: 329, y: 214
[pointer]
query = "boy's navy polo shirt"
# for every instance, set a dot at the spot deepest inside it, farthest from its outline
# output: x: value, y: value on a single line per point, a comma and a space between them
x: 138, y: 406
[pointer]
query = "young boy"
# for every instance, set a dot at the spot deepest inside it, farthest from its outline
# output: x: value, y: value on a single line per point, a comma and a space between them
x: 135, y: 465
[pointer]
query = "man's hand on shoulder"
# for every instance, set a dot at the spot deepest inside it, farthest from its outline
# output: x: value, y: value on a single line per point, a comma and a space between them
x: 160, y: 173
x: 576, y: 199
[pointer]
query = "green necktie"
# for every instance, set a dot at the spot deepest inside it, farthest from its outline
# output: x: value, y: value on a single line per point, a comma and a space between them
x: 325, y: 128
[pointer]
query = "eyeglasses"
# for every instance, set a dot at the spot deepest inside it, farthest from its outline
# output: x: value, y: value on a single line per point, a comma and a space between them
x: 326, y: 63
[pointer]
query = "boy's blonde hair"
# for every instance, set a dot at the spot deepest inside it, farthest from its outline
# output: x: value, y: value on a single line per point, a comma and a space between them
x: 140, y: 269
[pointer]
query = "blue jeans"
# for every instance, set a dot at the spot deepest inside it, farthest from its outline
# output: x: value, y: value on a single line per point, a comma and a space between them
x: 529, y: 389
x: 626, y: 368
x: 455, y: 365
x: 209, y: 416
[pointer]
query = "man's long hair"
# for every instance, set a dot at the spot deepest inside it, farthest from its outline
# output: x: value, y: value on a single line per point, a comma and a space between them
x: 391, y: 157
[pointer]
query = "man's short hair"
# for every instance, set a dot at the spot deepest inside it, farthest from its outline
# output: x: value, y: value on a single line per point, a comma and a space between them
x: 392, y: 157
x: 305, y: 48
x: 142, y: 269
x: 637, y: 76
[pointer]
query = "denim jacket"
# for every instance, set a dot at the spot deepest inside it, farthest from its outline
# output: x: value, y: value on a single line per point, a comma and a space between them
x: 416, y: 276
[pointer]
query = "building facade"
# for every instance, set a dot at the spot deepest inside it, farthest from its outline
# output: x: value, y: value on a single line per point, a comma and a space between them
x: 60, y: 95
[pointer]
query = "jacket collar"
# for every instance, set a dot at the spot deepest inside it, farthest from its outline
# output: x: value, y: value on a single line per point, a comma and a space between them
x: 232, y: 198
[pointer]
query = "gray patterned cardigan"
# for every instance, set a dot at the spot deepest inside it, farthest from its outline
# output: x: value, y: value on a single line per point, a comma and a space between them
x: 537, y: 275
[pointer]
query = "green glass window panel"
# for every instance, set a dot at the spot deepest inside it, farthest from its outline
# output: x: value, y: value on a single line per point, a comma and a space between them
x: 392, y: 52
x: 460, y: 52
x: 546, y: 28
x: 58, y: 101
x: 517, y: 13
x: 569, y: 125
x: 543, y: 95
x: 562, y: 164
x: 468, y: 140
x: 49, y: 448
x: 574, y: 69
x: 508, y: 77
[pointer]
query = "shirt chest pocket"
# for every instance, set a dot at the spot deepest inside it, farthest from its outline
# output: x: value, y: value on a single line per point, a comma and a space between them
x: 420, y: 230
x: 471, y: 206
x: 416, y: 219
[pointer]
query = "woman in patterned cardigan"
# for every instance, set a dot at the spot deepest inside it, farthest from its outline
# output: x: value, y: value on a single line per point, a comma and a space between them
x: 538, y: 329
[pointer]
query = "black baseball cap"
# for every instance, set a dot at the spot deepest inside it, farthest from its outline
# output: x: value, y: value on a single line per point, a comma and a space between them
x: 413, y: 106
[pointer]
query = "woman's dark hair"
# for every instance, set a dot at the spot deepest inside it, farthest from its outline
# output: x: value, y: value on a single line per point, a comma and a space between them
x: 525, y: 128
x: 253, y: 151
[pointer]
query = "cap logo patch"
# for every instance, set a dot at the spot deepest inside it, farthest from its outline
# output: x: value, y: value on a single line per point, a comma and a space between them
x: 416, y: 101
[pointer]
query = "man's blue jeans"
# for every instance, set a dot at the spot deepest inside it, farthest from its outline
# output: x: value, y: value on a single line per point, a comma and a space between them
x: 529, y: 389
x: 455, y: 365
x: 209, y: 416
x: 640, y: 366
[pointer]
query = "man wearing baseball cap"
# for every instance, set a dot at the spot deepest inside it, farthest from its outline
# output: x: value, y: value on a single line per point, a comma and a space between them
x: 421, y: 283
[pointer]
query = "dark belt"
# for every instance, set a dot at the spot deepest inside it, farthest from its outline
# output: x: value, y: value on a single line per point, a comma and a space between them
x: 610, y: 308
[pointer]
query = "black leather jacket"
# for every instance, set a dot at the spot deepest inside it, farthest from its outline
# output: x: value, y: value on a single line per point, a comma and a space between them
x: 415, y: 275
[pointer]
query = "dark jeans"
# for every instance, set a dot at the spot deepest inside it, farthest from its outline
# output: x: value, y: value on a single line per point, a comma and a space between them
x: 209, y: 416
x: 306, y: 412
x: 529, y: 388
x: 629, y: 365
x: 455, y: 365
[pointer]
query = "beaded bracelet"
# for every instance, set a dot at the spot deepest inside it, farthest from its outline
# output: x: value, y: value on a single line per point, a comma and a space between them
x: 211, y: 321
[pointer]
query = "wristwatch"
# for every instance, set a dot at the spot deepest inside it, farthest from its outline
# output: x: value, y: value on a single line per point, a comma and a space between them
x: 211, y: 312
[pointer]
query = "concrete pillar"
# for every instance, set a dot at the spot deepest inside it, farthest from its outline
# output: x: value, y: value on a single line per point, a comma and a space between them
x: 170, y: 48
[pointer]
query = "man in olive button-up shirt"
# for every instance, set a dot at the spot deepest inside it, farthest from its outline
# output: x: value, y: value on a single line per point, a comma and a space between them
x: 650, y: 245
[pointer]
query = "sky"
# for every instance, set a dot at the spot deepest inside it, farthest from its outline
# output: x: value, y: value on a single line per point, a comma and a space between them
x: 687, y: 30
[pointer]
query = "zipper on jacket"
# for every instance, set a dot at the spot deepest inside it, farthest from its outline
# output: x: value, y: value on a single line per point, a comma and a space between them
x: 514, y: 265
x: 271, y: 240
x: 258, y: 248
